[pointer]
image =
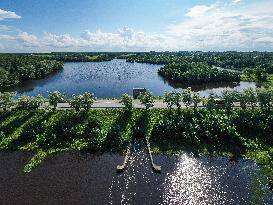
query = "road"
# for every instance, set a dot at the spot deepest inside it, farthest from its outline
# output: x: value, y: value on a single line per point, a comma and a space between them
x: 117, y: 104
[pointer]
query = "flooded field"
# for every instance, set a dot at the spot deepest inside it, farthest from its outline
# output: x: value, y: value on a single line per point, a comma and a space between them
x: 90, y: 179
x: 112, y: 79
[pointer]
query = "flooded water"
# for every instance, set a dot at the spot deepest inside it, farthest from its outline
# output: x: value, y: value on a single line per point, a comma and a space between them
x: 90, y: 179
x: 112, y: 79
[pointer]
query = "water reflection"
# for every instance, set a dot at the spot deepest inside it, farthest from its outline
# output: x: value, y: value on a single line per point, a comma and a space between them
x: 214, y: 181
x: 89, y: 179
x: 112, y: 79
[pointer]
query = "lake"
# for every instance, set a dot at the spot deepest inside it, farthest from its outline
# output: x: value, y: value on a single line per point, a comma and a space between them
x: 112, y: 79
x: 69, y: 178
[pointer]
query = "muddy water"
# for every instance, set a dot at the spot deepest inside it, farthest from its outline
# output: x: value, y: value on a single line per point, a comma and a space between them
x: 89, y: 179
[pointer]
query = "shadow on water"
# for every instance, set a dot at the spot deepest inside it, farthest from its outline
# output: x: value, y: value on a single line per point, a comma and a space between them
x: 88, y: 179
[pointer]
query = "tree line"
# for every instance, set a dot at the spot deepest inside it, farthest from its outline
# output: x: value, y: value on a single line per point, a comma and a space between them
x: 16, y: 69
x: 254, y: 65
x: 248, y: 98
x: 196, y: 73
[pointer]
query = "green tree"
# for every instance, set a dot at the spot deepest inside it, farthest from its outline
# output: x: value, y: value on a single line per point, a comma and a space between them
x: 29, y: 103
x: 251, y: 97
x: 211, y: 102
x: 55, y: 98
x: 147, y: 99
x: 127, y: 101
x: 249, y: 73
x: 4, y: 78
x: 229, y: 97
x: 242, y: 98
x: 196, y: 99
x: 261, y: 74
x: 187, y: 97
x: 88, y: 100
x: 172, y: 98
x: 6, y: 100
x: 265, y: 98
x: 76, y: 102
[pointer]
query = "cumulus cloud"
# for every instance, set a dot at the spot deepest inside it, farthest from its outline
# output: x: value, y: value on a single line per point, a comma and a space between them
x: 219, y: 26
x: 235, y: 1
x: 199, y: 10
x: 8, y: 15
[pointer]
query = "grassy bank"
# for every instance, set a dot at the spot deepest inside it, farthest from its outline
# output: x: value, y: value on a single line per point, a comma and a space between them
x: 236, y: 134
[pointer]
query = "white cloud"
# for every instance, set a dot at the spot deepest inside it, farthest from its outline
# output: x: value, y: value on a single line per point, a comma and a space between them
x: 236, y: 1
x: 218, y: 26
x: 199, y: 10
x: 8, y: 15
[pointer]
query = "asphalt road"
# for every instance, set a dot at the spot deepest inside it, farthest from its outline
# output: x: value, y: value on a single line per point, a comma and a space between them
x: 136, y: 104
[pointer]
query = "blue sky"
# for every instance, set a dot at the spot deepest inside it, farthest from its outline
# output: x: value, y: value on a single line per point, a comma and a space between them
x: 129, y: 25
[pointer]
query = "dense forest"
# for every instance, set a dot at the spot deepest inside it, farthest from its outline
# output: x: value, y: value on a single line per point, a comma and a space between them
x: 18, y: 68
x: 255, y: 66
x: 82, y: 57
x: 195, y: 73
x: 15, y: 69
x: 229, y: 60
